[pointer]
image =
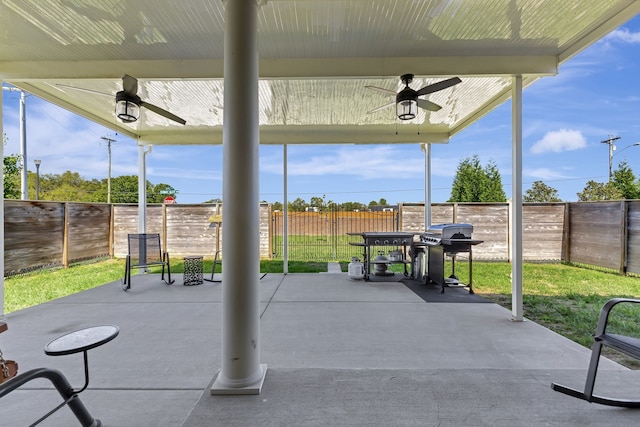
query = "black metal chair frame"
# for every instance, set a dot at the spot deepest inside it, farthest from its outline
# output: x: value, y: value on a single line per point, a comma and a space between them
x: 71, y: 344
x: 61, y: 384
x: 149, y: 253
x: 624, y: 344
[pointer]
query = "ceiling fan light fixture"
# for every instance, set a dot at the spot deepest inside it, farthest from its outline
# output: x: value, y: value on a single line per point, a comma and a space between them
x: 127, y: 107
x: 407, y: 104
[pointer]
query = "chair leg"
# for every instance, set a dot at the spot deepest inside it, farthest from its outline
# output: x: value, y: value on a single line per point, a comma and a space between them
x: 590, y: 383
x: 126, y: 281
x: 165, y: 261
x: 213, y: 270
x: 596, y: 350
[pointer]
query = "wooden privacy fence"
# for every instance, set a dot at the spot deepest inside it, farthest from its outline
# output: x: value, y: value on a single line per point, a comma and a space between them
x: 43, y: 234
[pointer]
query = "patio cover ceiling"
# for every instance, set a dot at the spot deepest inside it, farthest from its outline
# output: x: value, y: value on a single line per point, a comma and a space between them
x: 316, y: 57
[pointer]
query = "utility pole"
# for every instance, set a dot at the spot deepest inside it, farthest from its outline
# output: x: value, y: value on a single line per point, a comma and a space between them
x: 109, y: 141
x: 612, y: 147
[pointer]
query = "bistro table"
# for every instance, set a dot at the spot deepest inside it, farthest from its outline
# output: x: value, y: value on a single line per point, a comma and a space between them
x: 81, y: 340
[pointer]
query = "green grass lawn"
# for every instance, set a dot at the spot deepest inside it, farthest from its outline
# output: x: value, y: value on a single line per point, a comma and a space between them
x: 34, y: 288
x: 564, y: 298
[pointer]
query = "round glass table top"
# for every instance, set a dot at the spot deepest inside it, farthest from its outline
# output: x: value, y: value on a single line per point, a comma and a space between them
x: 81, y: 340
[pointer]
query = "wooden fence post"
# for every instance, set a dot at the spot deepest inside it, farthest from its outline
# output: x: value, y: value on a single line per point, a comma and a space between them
x: 111, y: 231
x: 624, y: 238
x: 164, y: 226
x: 566, y: 234
x: 509, y: 230
x: 65, y: 236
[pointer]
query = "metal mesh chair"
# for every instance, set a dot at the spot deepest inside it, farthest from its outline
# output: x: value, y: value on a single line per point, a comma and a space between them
x: 145, y: 251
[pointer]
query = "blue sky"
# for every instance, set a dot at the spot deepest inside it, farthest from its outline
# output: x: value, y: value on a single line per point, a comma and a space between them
x: 565, y: 117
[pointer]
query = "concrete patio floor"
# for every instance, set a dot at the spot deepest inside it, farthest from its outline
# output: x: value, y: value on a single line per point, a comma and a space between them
x: 339, y: 353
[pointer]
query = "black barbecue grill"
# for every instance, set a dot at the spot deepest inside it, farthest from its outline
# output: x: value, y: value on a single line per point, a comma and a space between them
x: 387, y: 239
x: 447, y: 239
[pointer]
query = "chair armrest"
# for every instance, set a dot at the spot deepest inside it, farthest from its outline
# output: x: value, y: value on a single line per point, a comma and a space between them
x: 606, y: 310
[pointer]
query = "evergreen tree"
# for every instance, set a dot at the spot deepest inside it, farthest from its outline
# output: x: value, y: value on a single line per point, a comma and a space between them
x: 473, y: 183
x: 625, y: 181
x: 493, y: 191
x: 467, y: 182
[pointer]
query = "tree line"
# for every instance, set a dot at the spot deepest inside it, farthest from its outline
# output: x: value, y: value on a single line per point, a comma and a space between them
x: 473, y: 182
x: 71, y: 187
x: 319, y: 204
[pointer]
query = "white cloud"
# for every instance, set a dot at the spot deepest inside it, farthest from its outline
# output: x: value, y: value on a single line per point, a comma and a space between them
x: 545, y: 174
x: 624, y: 35
x: 65, y: 141
x: 560, y: 140
x: 366, y: 162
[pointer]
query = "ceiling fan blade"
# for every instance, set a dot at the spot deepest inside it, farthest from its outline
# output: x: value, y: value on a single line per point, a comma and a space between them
x: 379, y: 89
x: 163, y: 113
x: 130, y: 85
x: 85, y: 90
x: 439, y: 86
x: 383, y: 107
x: 428, y: 105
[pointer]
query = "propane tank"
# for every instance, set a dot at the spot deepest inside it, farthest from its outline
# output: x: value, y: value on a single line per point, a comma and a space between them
x: 356, y: 269
x: 381, y: 263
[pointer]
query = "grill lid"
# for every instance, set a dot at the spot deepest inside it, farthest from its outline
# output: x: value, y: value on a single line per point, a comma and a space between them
x: 450, y: 231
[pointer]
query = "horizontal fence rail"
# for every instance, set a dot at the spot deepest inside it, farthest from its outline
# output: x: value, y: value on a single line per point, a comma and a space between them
x: 43, y: 234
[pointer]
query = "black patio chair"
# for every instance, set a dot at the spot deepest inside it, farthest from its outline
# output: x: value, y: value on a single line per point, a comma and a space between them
x: 145, y: 251
x: 625, y: 344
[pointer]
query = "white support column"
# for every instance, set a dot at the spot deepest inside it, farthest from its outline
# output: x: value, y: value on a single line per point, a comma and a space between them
x: 142, y: 189
x: 427, y: 185
x: 516, y: 200
x: 285, y: 216
x: 241, y: 371
x: 1, y: 216
x: 24, y: 190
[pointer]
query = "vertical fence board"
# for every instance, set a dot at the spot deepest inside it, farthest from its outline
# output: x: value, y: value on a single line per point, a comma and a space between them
x: 189, y: 231
x: 543, y: 226
x: 596, y: 233
x: 88, y: 230
x: 33, y: 235
x: 490, y: 224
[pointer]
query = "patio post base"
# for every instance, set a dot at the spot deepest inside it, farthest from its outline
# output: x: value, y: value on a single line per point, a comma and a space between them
x: 223, y: 389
